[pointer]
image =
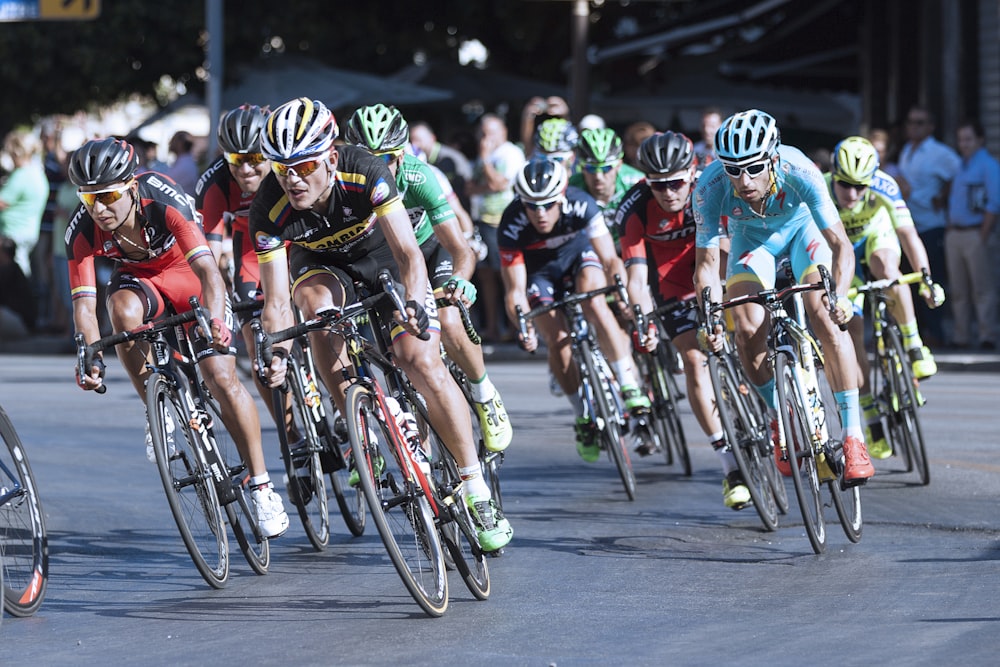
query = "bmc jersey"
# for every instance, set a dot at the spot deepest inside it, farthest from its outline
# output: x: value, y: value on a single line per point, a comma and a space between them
x: 169, y: 224
x: 218, y: 194
x: 425, y: 200
x: 521, y: 243
x: 798, y: 196
x: 644, y: 227
x: 883, y: 199
x: 362, y: 190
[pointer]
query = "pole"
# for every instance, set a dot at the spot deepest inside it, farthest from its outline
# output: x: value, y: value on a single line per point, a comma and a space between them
x: 213, y: 86
x: 579, y: 87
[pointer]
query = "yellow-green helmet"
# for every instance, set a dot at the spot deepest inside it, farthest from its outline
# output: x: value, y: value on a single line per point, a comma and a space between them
x: 855, y: 161
x: 555, y: 135
x: 599, y: 146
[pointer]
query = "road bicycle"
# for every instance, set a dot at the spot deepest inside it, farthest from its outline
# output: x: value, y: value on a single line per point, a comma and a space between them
x: 411, y: 506
x: 203, y: 475
x: 745, y: 426
x: 895, y: 389
x: 24, y: 544
x: 602, y: 401
x: 815, y: 458
x: 656, y: 369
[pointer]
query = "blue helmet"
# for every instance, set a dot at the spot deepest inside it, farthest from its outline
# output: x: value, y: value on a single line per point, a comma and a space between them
x: 747, y: 137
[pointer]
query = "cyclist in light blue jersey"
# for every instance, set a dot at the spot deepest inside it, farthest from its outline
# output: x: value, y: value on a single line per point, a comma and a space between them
x: 774, y: 201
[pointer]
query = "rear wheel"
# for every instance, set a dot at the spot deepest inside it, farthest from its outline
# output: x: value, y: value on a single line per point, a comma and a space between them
x: 846, y: 499
x: 666, y: 413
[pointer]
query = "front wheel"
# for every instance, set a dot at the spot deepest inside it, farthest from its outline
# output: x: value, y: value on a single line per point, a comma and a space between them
x: 905, y: 421
x: 666, y: 412
x: 608, y: 413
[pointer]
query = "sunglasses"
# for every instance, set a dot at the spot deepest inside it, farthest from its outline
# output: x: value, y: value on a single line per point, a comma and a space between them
x: 599, y: 168
x: 240, y: 159
x: 854, y: 186
x: 106, y: 197
x: 674, y: 184
x: 532, y: 206
x: 389, y: 157
x: 300, y: 169
x: 752, y: 169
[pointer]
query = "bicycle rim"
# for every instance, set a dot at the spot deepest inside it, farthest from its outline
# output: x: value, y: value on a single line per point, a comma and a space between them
x: 187, y: 483
x: 801, y: 459
x: 458, y: 532
x: 668, y: 417
x: 742, y: 435
x: 908, y: 420
x: 24, y: 546
x: 402, y: 515
x: 607, y: 410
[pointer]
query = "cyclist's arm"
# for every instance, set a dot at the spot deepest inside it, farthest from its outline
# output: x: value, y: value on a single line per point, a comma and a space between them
x: 213, y: 288
x: 633, y: 245
x: 398, y: 230
x: 707, y: 273
x: 843, y: 256
x: 913, y: 248
x: 449, y: 234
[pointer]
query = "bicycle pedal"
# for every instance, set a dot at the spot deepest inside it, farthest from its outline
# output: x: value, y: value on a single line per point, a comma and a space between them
x: 846, y: 484
x: 742, y: 506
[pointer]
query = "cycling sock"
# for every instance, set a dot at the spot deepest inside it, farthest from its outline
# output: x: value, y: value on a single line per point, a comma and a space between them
x: 911, y: 335
x: 868, y: 408
x: 260, y: 480
x: 726, y: 456
x: 623, y: 372
x: 475, y: 485
x: 577, y: 402
x: 850, y: 412
x: 766, y: 392
x: 482, y: 390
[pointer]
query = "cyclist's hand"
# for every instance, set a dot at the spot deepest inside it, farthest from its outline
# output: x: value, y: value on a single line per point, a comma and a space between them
x: 222, y: 336
x: 933, y: 294
x: 462, y: 289
x: 842, y: 311
x: 529, y: 341
x: 416, y: 321
x: 646, y: 342
x: 96, y: 377
x: 274, y: 374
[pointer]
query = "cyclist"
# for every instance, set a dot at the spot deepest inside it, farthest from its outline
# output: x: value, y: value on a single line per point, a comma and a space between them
x: 557, y: 138
x: 339, y: 209
x: 603, y: 172
x: 774, y: 201
x: 383, y: 131
x: 657, y: 226
x: 147, y: 225
x: 553, y: 240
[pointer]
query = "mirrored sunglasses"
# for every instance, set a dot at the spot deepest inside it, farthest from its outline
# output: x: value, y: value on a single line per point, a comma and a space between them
x: 753, y: 169
x: 300, y: 169
x: 389, y: 157
x: 106, y: 197
x: 854, y: 186
x: 240, y: 159
x: 599, y: 168
x: 674, y: 184
x: 532, y: 206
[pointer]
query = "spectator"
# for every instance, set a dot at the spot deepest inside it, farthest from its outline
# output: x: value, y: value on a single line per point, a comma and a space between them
x: 185, y: 169
x: 887, y: 153
x: 822, y: 158
x: 455, y: 166
x: 634, y: 135
x: 537, y: 110
x: 24, y: 196
x: 146, y: 152
x: 53, y: 161
x: 17, y: 303
x: 973, y: 205
x: 591, y: 122
x: 490, y: 190
x: 929, y: 167
x: 704, y: 150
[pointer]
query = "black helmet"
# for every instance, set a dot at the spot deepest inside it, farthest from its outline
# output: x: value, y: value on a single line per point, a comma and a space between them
x: 103, y: 161
x: 239, y: 131
x: 665, y: 153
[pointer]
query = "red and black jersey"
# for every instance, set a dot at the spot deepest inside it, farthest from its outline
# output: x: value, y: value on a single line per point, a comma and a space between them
x: 168, y: 221
x: 647, y: 231
x: 217, y: 194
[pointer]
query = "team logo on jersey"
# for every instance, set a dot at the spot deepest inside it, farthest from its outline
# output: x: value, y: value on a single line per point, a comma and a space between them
x: 108, y: 245
x: 380, y: 193
x: 737, y: 211
x: 266, y: 241
x: 416, y: 178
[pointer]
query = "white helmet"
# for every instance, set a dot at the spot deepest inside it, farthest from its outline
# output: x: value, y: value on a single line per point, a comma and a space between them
x: 297, y: 129
x: 541, y: 180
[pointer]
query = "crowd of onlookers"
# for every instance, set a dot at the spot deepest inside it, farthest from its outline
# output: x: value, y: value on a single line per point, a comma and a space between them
x: 953, y: 195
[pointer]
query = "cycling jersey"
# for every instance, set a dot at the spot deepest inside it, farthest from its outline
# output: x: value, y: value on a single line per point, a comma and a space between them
x: 425, y: 200
x: 644, y: 226
x: 626, y: 177
x: 883, y: 200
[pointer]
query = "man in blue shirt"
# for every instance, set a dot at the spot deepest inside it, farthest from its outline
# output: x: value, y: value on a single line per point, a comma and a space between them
x: 973, y: 206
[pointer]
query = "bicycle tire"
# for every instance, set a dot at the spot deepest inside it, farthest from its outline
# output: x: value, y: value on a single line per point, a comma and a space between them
x: 846, y: 499
x: 187, y: 482
x: 401, y: 513
x: 905, y: 420
x: 241, y: 512
x: 667, y: 413
x: 604, y: 393
x: 801, y: 459
x: 24, y: 542
x: 308, y: 492
x: 765, y: 446
x: 743, y: 432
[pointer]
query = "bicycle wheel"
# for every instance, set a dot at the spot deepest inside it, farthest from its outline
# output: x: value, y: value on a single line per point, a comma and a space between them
x: 241, y: 512
x: 186, y: 479
x: 608, y: 415
x: 304, y: 472
x: 743, y: 433
x: 754, y: 402
x: 400, y: 511
x: 796, y: 420
x: 846, y: 499
x: 904, y: 420
x: 666, y: 413
x: 24, y: 544
x: 335, y: 459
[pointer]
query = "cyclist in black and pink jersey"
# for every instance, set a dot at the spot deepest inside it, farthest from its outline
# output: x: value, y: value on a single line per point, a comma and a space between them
x: 553, y: 241
x: 339, y: 209
x: 147, y: 225
x: 657, y: 232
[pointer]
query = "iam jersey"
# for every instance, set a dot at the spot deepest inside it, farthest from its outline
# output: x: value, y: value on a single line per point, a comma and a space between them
x: 798, y: 196
x: 169, y: 223
x: 647, y: 232
x: 363, y: 190
x: 218, y: 194
x: 521, y: 243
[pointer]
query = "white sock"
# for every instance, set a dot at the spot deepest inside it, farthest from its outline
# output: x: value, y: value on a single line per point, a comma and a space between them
x: 622, y: 369
x: 475, y: 485
x: 260, y: 480
x: 482, y: 390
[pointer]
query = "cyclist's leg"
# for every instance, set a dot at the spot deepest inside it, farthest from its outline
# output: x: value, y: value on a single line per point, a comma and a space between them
x: 751, y: 268
x: 131, y: 301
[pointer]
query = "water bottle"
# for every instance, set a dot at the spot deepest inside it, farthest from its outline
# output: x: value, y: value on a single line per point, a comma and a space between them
x: 407, y: 424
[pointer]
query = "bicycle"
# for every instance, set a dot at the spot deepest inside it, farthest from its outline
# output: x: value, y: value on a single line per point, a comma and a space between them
x: 744, y: 425
x: 192, y: 447
x: 656, y: 370
x: 893, y: 386
x: 602, y: 401
x: 410, y: 506
x: 815, y: 458
x: 24, y: 544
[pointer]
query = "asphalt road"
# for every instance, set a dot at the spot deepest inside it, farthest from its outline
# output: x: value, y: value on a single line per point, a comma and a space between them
x: 590, y: 579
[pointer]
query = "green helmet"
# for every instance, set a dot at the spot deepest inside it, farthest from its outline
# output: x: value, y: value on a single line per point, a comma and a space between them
x: 855, y: 161
x: 555, y: 135
x: 599, y: 146
x: 378, y: 128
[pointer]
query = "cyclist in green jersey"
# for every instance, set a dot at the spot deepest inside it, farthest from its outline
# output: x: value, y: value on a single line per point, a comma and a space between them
x: 878, y: 223
x: 602, y: 170
x: 384, y: 132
